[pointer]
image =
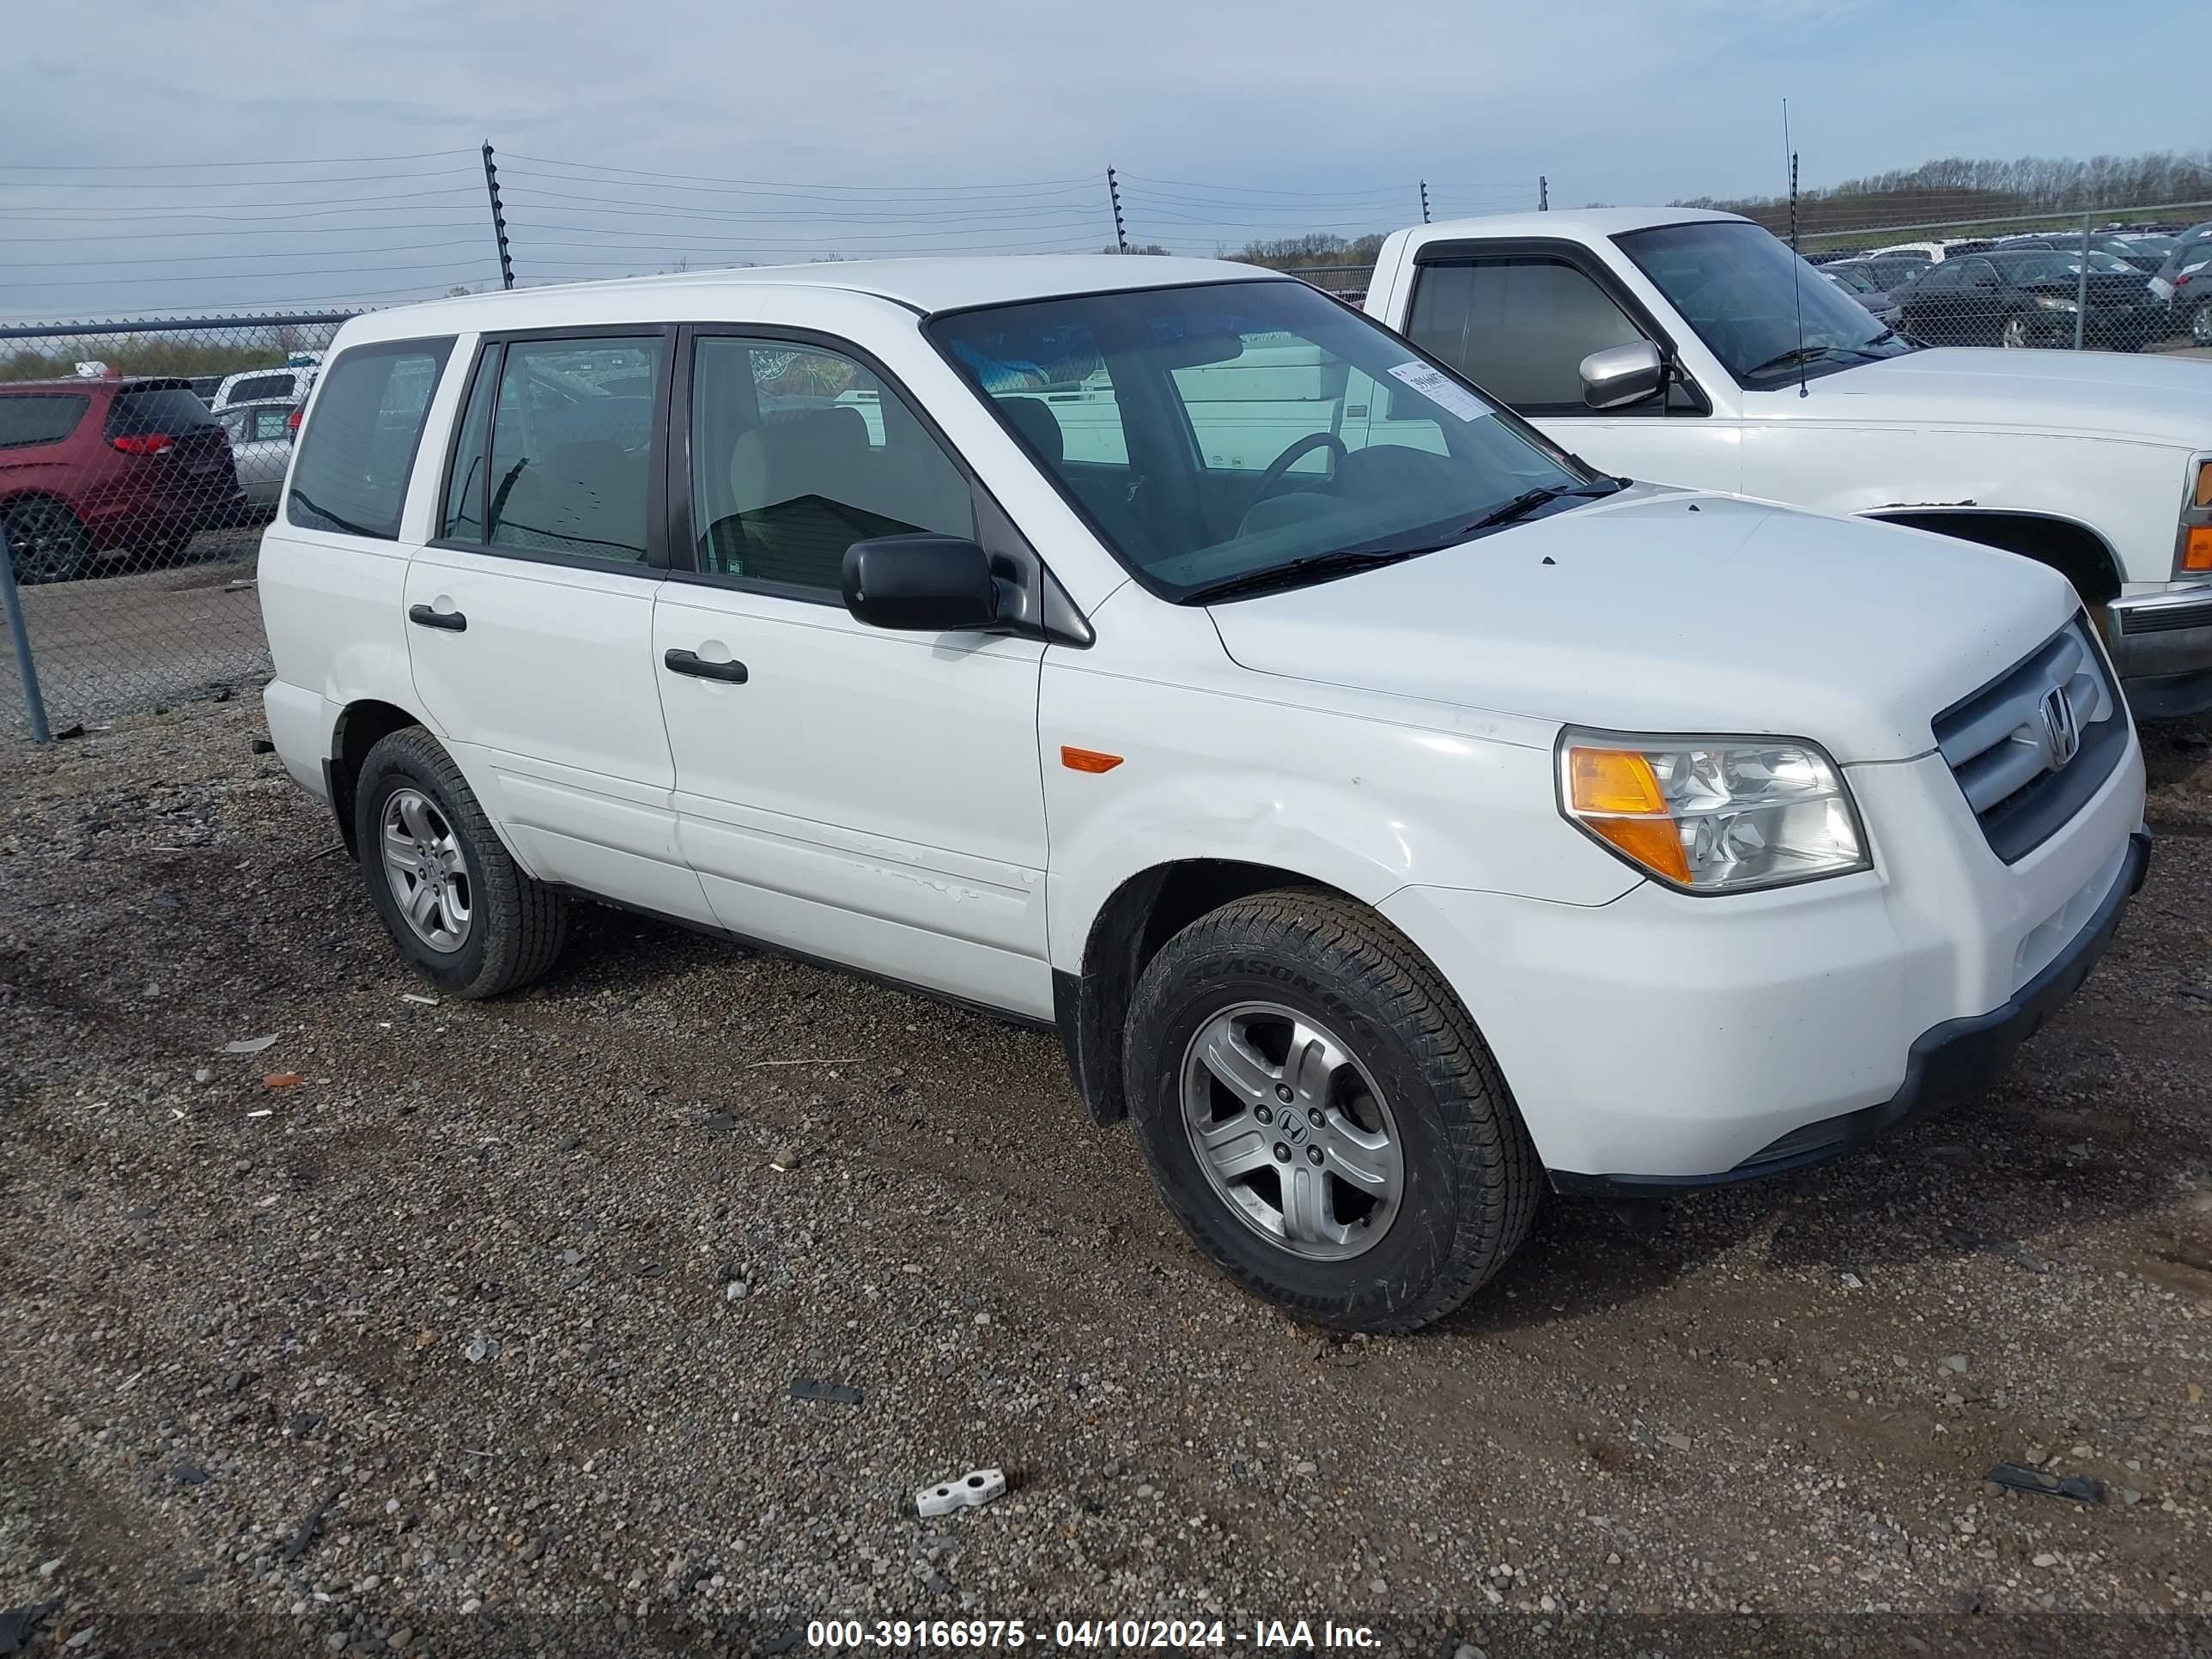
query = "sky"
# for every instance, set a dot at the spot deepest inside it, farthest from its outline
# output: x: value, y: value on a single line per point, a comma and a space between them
x: 158, y: 157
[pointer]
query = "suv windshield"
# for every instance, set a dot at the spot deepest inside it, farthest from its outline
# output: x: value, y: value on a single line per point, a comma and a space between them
x: 1233, y: 436
x: 1740, y: 289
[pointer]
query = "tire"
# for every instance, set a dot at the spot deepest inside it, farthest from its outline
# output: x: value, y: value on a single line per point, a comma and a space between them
x: 2200, y: 325
x: 489, y: 928
x: 45, y: 540
x: 2017, y: 331
x: 1419, y: 1078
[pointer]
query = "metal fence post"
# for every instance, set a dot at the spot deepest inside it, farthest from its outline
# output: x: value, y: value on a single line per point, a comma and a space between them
x: 2082, y: 286
x: 34, y: 703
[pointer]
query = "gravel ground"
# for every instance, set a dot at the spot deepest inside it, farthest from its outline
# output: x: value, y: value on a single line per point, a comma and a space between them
x: 128, y: 640
x: 480, y: 1336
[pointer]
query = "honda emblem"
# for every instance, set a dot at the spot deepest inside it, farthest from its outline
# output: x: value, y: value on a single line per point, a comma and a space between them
x: 2062, y: 734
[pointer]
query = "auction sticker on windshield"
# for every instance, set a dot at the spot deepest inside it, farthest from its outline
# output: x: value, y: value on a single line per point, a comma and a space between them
x: 1439, y: 388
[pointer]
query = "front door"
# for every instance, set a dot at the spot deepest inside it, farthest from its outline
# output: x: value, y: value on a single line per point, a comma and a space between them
x: 871, y: 797
x: 1519, y: 322
x: 530, y: 617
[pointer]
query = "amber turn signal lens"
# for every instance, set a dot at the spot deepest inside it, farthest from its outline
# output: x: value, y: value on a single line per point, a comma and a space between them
x: 2204, y: 496
x: 1087, y: 760
x: 1615, y: 795
x: 1614, y: 781
x: 2196, y: 551
x: 1655, y: 843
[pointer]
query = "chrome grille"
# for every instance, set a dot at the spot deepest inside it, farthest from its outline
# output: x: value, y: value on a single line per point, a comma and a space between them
x: 2031, y: 747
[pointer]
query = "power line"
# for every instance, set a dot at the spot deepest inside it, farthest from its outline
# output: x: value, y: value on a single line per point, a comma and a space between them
x: 256, y: 253
x: 154, y: 167
x: 217, y: 277
x: 217, y: 184
x: 773, y: 184
x: 304, y: 230
x: 815, y: 241
x: 953, y: 194
x: 669, y: 211
x: 335, y: 205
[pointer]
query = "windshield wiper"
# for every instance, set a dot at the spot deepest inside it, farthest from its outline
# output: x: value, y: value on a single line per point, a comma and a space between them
x: 1797, y: 355
x: 1346, y: 560
x: 1314, y: 564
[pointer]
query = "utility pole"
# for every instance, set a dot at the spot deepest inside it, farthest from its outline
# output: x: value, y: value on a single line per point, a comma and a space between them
x: 1113, y: 194
x: 1543, y: 194
x: 1425, y: 201
x: 498, y: 219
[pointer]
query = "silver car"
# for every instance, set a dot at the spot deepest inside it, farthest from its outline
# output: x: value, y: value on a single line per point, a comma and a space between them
x: 260, y: 447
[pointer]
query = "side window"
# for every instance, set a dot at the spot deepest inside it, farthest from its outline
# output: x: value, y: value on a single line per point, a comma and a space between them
x: 1518, y: 326
x: 1936, y: 279
x: 1979, y: 273
x: 34, y: 418
x: 571, y: 468
x: 356, y: 454
x: 796, y: 453
x: 272, y: 425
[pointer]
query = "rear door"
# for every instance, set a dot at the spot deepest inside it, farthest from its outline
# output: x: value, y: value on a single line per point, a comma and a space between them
x: 530, y: 613
x: 870, y: 797
x: 1517, y: 319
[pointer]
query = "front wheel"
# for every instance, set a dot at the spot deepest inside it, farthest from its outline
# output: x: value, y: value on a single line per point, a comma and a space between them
x: 2200, y: 325
x: 2017, y: 332
x: 1322, y: 1116
x: 456, y: 903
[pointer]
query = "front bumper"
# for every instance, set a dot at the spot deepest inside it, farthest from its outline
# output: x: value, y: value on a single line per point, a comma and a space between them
x: 1665, y: 1039
x: 1948, y: 1063
x: 2160, y: 644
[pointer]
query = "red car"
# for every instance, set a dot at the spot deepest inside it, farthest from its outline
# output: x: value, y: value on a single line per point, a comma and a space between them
x: 109, y: 464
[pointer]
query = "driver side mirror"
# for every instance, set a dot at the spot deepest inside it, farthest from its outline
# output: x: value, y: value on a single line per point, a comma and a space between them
x: 1623, y: 374
x: 921, y: 584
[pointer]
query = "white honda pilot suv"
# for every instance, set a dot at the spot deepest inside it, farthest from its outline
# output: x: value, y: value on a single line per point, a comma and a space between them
x: 1390, y: 824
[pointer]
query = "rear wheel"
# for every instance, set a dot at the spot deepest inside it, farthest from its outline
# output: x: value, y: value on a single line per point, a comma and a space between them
x: 2200, y: 325
x: 2018, y: 331
x: 1322, y: 1117
x: 45, y: 540
x: 453, y: 899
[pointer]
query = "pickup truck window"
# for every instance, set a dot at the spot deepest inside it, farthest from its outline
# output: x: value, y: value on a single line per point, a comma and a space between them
x: 1518, y: 325
x: 1238, y: 450
x: 1742, y: 290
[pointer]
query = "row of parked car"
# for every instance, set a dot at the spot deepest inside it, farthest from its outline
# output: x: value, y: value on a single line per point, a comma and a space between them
x: 2143, y: 284
x: 101, y: 466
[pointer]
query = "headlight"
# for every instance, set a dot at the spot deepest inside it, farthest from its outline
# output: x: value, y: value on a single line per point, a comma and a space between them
x: 2052, y: 302
x: 1712, y: 815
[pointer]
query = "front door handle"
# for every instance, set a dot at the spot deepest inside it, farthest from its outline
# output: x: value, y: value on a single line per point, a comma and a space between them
x: 690, y: 662
x: 452, y: 621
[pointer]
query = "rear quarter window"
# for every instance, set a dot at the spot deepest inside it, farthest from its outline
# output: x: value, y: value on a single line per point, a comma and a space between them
x: 171, y: 409
x: 260, y: 386
x: 358, y: 448
x: 28, y: 418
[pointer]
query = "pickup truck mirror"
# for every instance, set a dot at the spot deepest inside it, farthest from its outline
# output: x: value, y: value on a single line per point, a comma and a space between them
x: 921, y: 584
x: 1623, y: 374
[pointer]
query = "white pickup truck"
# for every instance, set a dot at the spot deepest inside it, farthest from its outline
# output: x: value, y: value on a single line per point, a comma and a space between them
x: 1666, y: 344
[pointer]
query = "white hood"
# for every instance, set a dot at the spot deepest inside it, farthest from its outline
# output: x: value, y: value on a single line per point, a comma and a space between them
x: 2105, y: 394
x: 1662, y: 611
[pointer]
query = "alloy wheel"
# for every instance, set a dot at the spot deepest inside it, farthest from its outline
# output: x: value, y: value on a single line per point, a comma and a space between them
x: 424, y: 866
x: 1291, y: 1131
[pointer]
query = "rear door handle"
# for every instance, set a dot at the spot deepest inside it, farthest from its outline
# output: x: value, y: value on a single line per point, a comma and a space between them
x: 690, y: 662
x: 452, y: 621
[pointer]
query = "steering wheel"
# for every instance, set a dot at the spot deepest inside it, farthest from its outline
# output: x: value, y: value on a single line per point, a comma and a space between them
x: 1282, y: 464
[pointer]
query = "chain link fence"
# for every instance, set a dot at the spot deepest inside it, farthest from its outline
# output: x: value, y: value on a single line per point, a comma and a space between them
x: 137, y: 463
x: 2100, y: 279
